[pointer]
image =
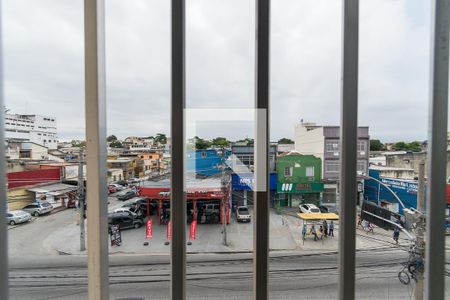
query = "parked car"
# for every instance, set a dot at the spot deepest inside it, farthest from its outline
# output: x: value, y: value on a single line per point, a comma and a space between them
x: 17, y: 216
x: 38, y: 208
x: 124, y: 221
x: 309, y: 209
x: 127, y: 211
x: 242, y: 214
x: 211, y: 209
x: 123, y: 183
x: 116, y: 186
x: 323, y: 209
x: 133, y: 180
x: 142, y: 201
x: 127, y: 195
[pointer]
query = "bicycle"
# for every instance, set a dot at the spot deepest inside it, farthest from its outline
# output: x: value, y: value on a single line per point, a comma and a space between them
x: 403, y: 275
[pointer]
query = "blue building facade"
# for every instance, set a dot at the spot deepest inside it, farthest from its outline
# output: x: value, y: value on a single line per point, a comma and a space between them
x: 205, y: 162
x: 406, y: 190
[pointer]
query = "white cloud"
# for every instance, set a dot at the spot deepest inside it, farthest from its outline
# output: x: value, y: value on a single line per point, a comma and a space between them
x: 44, y: 63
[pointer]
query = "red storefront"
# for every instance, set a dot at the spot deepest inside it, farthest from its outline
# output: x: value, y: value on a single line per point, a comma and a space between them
x: 198, y: 201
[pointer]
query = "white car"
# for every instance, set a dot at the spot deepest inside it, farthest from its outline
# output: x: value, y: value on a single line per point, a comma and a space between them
x: 309, y: 209
x: 117, y: 186
x: 242, y: 214
x: 125, y: 210
x: 17, y: 216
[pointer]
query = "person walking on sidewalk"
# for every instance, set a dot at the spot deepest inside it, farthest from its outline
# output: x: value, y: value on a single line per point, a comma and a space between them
x: 396, y: 234
x: 304, y: 230
x: 314, y: 233
x: 331, y: 229
x: 325, y: 228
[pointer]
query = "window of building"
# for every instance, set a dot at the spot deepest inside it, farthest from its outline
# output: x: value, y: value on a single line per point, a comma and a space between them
x: 288, y: 171
x: 332, y: 146
x: 332, y: 166
x: 361, y: 166
x: 361, y: 146
x: 310, y: 171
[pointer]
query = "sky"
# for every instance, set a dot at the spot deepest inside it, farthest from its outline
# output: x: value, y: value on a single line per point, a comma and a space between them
x: 44, y: 64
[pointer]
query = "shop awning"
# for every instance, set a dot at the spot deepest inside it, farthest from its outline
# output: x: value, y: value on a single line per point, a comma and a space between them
x: 320, y: 216
x: 56, y: 189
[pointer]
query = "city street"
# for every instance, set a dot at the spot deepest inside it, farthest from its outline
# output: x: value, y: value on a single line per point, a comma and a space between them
x: 292, y: 276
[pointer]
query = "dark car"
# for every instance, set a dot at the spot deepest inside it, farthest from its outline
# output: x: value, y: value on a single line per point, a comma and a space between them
x: 127, y: 195
x: 122, y: 182
x: 124, y: 220
x: 323, y: 209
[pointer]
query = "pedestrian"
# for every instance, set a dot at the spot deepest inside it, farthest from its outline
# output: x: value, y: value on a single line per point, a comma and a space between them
x: 321, y: 232
x: 370, y: 228
x: 359, y: 222
x: 331, y: 229
x: 304, y: 230
x: 396, y: 234
x: 325, y: 228
x: 314, y: 233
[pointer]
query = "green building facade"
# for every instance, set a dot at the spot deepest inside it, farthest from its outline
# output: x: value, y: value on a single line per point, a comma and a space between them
x: 299, y: 179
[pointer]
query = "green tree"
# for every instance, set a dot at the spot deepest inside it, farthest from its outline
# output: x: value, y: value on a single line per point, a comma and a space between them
x: 376, y: 145
x: 415, y: 146
x: 285, y: 141
x: 400, y: 146
x: 116, y: 144
x: 111, y: 138
x: 220, y: 141
x: 160, y: 138
x: 248, y: 141
x: 78, y: 143
x: 201, y: 143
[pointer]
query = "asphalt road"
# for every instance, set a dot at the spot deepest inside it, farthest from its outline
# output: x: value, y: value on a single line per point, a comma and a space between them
x: 306, y: 276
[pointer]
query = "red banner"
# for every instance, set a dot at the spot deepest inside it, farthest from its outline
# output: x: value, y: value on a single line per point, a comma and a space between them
x: 169, y: 230
x: 193, y: 230
x: 149, y: 229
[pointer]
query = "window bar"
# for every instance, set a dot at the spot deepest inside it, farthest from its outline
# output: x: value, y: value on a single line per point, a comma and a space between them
x: 349, y: 133
x: 437, y: 135
x: 4, y: 291
x: 177, y: 195
x: 262, y: 148
x: 97, y: 231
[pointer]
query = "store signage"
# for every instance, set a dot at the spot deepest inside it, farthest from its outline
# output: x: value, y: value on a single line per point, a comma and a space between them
x: 313, y: 187
x: 116, y: 235
x: 149, y: 229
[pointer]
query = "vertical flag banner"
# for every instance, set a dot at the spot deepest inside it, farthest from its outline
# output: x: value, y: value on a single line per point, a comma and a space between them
x: 169, y: 230
x: 149, y: 229
x: 193, y: 230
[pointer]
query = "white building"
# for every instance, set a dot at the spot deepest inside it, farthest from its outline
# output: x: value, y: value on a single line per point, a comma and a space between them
x: 33, y: 128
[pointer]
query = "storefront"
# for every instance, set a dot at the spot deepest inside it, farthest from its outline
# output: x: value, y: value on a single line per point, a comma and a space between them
x: 204, y: 200
x: 242, y: 189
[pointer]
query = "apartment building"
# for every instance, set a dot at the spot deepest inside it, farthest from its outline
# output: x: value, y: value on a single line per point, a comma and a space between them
x: 33, y: 128
x: 324, y: 143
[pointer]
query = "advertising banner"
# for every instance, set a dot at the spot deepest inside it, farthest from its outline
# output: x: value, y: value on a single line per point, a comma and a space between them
x: 169, y: 230
x: 116, y: 236
x: 149, y: 229
x: 193, y: 230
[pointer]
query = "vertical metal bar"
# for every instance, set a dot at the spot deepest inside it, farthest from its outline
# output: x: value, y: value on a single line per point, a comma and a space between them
x: 349, y: 133
x: 4, y: 291
x: 437, y: 156
x: 177, y: 198
x: 97, y: 230
x: 262, y: 148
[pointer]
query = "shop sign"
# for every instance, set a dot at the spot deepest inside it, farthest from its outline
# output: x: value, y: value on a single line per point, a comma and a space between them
x: 149, y: 229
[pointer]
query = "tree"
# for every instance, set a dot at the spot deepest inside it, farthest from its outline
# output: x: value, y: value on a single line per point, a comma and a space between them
x: 248, y: 141
x: 285, y: 141
x: 116, y: 144
x: 160, y: 138
x: 77, y: 143
x: 220, y: 141
x: 111, y: 138
x: 414, y: 146
x: 201, y: 143
x: 376, y: 145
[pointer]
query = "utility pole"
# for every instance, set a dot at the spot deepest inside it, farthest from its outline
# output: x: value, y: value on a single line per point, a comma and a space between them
x: 81, y: 201
x: 420, y: 243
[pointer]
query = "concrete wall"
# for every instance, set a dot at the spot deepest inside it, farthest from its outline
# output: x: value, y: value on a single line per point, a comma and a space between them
x: 309, y: 142
x: 411, y: 160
